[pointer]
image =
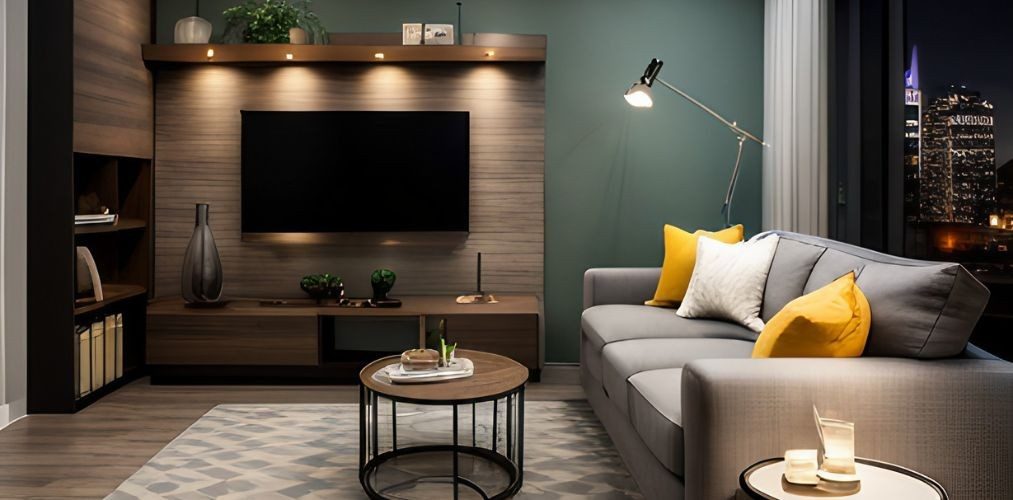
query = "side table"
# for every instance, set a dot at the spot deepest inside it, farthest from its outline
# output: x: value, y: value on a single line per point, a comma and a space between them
x: 764, y: 480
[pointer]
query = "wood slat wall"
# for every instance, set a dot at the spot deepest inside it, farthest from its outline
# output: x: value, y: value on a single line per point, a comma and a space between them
x: 197, y: 141
x: 112, y: 88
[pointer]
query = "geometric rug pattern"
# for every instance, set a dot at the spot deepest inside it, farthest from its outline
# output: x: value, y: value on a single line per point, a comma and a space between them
x: 312, y: 451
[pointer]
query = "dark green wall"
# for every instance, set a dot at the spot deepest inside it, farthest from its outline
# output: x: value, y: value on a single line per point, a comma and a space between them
x: 613, y: 174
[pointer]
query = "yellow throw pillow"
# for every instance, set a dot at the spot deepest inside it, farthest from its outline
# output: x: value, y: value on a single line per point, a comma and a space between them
x: 832, y: 322
x: 680, y: 257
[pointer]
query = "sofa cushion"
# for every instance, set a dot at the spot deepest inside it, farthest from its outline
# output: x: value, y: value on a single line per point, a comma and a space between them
x: 789, y: 272
x: 921, y: 312
x: 920, y: 309
x: 621, y: 360
x: 617, y: 322
x: 655, y: 406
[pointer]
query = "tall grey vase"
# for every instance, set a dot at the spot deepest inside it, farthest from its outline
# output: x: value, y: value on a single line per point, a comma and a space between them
x: 202, y: 268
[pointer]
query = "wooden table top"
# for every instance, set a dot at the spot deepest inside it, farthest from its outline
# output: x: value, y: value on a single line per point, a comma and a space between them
x: 494, y: 375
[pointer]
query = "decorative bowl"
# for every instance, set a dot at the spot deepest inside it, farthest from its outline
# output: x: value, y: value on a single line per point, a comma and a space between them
x: 420, y: 359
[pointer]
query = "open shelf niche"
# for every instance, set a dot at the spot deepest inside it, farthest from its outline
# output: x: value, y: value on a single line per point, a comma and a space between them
x: 109, y: 348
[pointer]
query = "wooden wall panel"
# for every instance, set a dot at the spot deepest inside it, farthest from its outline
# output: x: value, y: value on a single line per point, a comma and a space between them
x: 113, y: 112
x: 197, y: 142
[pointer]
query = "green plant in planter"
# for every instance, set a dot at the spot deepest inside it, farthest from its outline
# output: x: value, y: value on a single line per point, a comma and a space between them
x: 322, y: 286
x: 269, y: 21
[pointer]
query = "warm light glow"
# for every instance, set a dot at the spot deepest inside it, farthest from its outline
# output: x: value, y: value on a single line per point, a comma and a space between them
x: 800, y: 466
x: 993, y: 220
x: 289, y: 56
x: 211, y: 53
x: 490, y: 53
x: 639, y: 96
x: 378, y: 55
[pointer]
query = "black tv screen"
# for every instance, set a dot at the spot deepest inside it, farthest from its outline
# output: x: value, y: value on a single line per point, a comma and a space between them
x: 354, y: 171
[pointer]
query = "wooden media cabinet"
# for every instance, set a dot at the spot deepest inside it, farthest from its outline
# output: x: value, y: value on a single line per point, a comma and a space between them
x: 249, y: 342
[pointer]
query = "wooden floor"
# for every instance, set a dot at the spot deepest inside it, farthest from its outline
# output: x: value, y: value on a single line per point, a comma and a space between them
x: 88, y: 454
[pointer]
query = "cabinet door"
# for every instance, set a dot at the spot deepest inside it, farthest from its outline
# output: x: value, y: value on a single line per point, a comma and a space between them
x: 512, y: 335
x: 232, y: 340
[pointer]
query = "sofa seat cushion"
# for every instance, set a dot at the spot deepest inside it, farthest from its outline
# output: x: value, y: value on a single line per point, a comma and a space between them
x: 655, y: 405
x: 622, y: 360
x: 605, y: 324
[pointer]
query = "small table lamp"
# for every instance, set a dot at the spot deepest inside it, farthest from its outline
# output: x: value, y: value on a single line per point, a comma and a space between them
x: 639, y: 96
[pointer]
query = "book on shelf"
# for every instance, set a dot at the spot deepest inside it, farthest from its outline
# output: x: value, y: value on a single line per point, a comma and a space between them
x: 83, y: 360
x: 98, y: 354
x: 119, y: 345
x: 109, y: 346
x: 82, y: 220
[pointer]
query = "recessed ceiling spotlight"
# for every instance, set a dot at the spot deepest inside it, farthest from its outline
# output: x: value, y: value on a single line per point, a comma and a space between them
x: 490, y: 53
x: 289, y: 56
x: 211, y: 53
x: 378, y: 55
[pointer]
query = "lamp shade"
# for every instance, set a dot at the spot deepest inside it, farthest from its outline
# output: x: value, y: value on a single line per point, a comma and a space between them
x: 639, y: 96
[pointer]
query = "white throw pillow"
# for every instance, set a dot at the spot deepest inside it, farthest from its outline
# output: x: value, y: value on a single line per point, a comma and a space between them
x: 728, y: 281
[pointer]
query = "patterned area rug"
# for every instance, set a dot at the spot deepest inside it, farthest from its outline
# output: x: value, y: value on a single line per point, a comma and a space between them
x: 311, y: 451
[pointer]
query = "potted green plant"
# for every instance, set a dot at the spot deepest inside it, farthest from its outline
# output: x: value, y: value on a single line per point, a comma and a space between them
x: 272, y: 21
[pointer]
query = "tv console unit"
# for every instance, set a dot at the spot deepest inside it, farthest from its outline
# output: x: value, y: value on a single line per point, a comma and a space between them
x: 249, y: 342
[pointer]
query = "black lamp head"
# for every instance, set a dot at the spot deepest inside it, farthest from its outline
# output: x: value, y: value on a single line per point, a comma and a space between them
x: 651, y: 71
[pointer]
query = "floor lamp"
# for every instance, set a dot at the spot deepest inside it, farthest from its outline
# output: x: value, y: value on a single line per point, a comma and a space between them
x: 639, y: 95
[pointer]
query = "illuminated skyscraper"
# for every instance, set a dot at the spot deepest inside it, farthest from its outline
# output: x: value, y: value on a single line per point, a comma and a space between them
x: 958, y: 175
x: 912, y: 139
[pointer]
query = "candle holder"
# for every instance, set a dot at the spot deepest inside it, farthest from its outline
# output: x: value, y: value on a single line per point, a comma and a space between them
x: 800, y: 467
x: 837, y: 449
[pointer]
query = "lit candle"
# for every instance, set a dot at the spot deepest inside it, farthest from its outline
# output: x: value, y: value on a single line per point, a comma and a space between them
x: 800, y: 466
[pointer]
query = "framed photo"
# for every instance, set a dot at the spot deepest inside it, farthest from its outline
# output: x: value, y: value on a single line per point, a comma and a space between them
x: 439, y: 34
x: 411, y: 33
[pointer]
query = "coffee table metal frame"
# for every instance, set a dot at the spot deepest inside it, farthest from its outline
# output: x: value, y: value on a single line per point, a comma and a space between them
x: 512, y: 461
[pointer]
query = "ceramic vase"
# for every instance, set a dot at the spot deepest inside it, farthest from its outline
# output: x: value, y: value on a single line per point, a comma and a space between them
x: 192, y: 29
x: 298, y: 36
x: 202, y: 267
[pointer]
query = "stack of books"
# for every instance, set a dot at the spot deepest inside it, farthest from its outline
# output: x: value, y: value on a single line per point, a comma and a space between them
x: 81, y: 220
x: 99, y: 353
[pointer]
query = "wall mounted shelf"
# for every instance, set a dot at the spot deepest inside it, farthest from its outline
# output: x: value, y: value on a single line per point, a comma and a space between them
x: 114, y: 294
x: 155, y: 55
x: 123, y: 224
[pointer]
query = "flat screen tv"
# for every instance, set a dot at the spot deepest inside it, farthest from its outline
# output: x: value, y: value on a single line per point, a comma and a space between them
x: 354, y: 171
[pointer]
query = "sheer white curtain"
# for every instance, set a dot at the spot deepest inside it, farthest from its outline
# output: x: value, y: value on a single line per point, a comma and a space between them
x: 13, y: 202
x: 795, y: 116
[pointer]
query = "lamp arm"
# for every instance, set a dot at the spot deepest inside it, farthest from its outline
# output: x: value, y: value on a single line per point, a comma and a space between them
x: 731, y: 125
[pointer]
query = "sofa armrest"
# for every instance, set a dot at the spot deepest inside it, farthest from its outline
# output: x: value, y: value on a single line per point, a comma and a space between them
x: 949, y: 419
x: 620, y: 285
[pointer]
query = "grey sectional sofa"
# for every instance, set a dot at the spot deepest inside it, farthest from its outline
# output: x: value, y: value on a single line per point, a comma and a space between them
x: 688, y: 409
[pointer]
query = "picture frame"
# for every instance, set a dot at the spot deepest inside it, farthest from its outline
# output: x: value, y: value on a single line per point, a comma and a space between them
x: 439, y: 34
x: 411, y: 33
x: 427, y: 34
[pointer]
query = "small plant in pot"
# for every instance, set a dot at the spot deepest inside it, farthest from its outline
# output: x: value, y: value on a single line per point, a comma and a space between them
x: 271, y: 21
x: 322, y: 287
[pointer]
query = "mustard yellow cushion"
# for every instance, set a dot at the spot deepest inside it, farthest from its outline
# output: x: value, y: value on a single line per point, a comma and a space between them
x: 832, y: 322
x: 680, y: 257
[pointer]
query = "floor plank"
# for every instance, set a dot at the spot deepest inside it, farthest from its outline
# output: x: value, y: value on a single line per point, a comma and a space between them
x: 88, y: 454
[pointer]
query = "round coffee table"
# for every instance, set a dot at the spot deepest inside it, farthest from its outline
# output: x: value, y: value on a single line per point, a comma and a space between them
x: 879, y: 480
x: 498, y: 381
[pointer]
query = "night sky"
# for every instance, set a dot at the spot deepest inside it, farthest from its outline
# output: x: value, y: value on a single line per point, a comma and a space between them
x: 967, y: 43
